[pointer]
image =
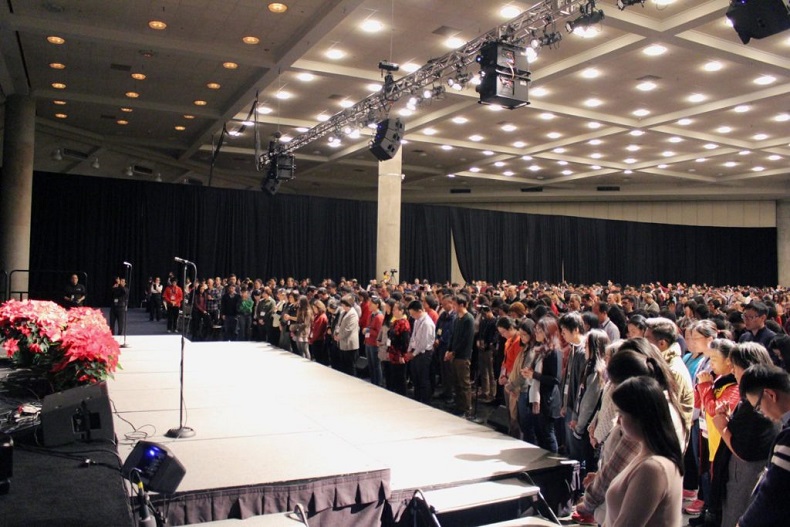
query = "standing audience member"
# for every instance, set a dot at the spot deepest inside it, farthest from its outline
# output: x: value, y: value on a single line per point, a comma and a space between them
x: 371, y: 332
x: 509, y: 331
x: 546, y: 370
x: 318, y: 330
x: 300, y: 327
x: 229, y: 313
x: 245, y: 314
x: 486, y: 342
x: 663, y: 333
x: 527, y: 391
x: 397, y: 338
x: 120, y: 299
x: 754, y: 317
x: 420, y: 352
x: 173, y: 296
x: 588, y: 398
x: 74, y: 293
x: 155, y: 300
x: 571, y: 327
x: 347, y: 336
x: 459, y: 354
x: 201, y: 320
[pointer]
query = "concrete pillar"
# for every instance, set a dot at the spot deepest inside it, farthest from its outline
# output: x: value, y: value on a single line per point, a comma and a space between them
x: 783, y: 241
x: 388, y: 231
x: 16, y: 186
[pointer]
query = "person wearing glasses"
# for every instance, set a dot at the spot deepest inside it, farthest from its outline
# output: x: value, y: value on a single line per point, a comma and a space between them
x: 754, y: 316
x: 767, y: 389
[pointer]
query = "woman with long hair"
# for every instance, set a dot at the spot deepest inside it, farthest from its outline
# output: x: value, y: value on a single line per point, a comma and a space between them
x: 588, y: 398
x: 317, y: 340
x: 300, y: 327
x: 649, y: 492
x: 508, y: 330
x: 520, y: 387
x: 547, y: 369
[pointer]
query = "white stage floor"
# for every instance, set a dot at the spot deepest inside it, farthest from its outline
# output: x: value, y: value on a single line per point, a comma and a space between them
x: 263, y: 415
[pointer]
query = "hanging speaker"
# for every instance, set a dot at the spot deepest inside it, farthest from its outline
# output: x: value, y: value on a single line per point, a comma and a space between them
x: 386, y: 142
x: 758, y: 18
x: 79, y: 414
x: 504, y: 75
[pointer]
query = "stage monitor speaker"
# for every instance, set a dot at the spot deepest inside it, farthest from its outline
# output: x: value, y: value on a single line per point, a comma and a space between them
x: 159, y: 469
x: 758, y: 18
x: 386, y: 142
x: 504, y: 75
x: 79, y: 414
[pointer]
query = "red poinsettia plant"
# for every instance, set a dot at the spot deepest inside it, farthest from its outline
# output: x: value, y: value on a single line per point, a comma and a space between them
x: 68, y: 348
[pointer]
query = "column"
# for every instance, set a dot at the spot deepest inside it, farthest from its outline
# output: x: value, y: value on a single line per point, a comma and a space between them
x: 16, y: 186
x: 388, y: 231
x: 783, y: 241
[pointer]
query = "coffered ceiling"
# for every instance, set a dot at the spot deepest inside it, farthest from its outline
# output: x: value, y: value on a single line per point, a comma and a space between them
x: 714, y: 124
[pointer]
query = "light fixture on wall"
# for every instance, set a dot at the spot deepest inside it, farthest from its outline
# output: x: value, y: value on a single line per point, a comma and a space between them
x: 57, y: 155
x: 129, y: 172
x: 95, y: 164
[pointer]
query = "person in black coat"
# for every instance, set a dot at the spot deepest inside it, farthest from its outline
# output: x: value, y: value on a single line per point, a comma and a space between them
x: 547, y: 370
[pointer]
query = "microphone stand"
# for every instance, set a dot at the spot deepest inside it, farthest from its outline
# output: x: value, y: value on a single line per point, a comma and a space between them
x: 128, y: 272
x: 182, y: 431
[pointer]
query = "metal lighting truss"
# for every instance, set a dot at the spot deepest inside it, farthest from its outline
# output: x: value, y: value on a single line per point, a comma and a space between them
x: 376, y: 106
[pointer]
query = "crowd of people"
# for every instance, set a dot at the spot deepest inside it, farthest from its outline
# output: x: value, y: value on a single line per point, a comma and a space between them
x: 671, y: 397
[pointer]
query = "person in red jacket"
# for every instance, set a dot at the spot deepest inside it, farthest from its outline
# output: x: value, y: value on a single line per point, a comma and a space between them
x: 371, y: 331
x: 172, y: 296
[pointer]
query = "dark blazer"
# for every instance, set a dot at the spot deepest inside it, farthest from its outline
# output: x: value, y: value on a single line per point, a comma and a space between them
x: 549, y: 379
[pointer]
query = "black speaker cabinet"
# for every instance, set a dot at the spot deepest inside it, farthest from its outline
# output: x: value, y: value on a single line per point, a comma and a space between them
x: 758, y: 18
x: 504, y: 75
x: 386, y: 142
x: 79, y: 414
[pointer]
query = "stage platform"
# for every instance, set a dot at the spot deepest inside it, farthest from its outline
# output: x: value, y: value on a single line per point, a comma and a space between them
x: 273, y: 430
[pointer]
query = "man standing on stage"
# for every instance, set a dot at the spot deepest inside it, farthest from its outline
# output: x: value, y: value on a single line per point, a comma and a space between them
x: 120, y: 299
x: 173, y: 296
x: 75, y: 293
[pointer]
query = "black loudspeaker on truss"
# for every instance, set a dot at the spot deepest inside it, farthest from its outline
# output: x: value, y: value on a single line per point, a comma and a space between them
x: 386, y: 142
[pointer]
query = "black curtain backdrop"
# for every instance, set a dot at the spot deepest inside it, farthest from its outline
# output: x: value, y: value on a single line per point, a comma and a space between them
x: 91, y: 225
x: 497, y: 246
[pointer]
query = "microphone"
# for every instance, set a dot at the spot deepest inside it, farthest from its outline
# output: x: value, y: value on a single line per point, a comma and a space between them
x: 181, y: 260
x: 127, y: 264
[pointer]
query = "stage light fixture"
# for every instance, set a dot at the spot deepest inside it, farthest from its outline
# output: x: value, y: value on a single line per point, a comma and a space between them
x: 622, y: 4
x: 57, y: 155
x: 588, y: 17
x: 95, y: 165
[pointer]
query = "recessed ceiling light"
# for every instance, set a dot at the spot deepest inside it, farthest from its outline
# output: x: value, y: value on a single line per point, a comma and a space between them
x: 451, y: 175
x: 697, y: 97
x: 590, y: 73
x: 508, y: 173
x: 646, y: 86
x: 760, y: 137
x: 668, y: 153
x: 410, y: 67
x: 596, y: 155
x: 488, y: 152
x: 539, y: 92
x: 251, y: 40
x: 495, y: 107
x: 508, y: 127
x: 474, y: 169
x: 758, y: 169
x: 302, y: 129
x: 594, y: 125
x: 59, y: 102
x: 447, y: 147
x: 744, y: 152
x: 188, y: 116
x: 371, y: 26
x: 509, y: 11
x: 559, y: 150
x: 765, y: 80
x: 742, y: 108
x: 52, y: 39
x: 283, y: 95
x: 57, y: 66
x: 633, y: 148
x: 264, y: 110
x: 675, y: 139
x: 629, y: 161
x: 61, y: 115
x: 287, y: 139
x: 654, y: 50
x: 685, y: 122
x: 724, y: 129
x: 460, y: 120
x: 499, y: 164
x: 454, y: 42
x: 373, y: 87
x: 547, y: 116
x: 335, y: 54
x: 122, y: 122
x: 519, y: 144
x: 307, y: 77
x: 663, y: 165
x: 730, y: 164
x: 711, y: 146
x: 278, y: 7
x: 138, y: 76
x: 213, y: 86
x: 562, y: 163
x: 346, y: 103
x: 180, y: 128
x: 567, y: 172
x: 594, y: 142
x: 534, y: 168
x: 553, y: 135
x: 636, y: 133
x: 248, y: 123
x: 58, y: 85
x: 405, y: 112
x: 429, y: 131
x: 713, y: 65
x: 595, y: 167
x: 132, y: 94
x: 230, y: 65
x: 476, y: 138
x: 593, y: 103
x: 701, y: 159
x: 200, y: 103
x: 641, y: 112
x: 774, y: 157
x: 782, y: 117
x: 157, y: 24
x: 322, y: 117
